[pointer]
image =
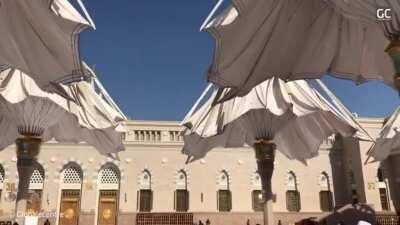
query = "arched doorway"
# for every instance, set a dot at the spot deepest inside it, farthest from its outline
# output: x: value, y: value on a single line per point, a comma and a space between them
x: 108, y: 185
x: 71, y: 184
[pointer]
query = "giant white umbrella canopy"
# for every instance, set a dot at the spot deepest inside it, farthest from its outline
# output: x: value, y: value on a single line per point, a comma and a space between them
x: 30, y: 115
x: 83, y: 116
x: 293, y: 39
x: 41, y: 39
x: 388, y: 140
x: 292, y: 116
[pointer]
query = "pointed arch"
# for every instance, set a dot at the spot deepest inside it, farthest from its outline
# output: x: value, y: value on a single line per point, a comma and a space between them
x: 145, y: 194
x: 291, y: 181
x: 71, y: 176
x: 109, y: 177
x: 181, y: 179
x: 145, y: 179
x: 224, y: 194
x: 37, y: 178
x: 223, y: 180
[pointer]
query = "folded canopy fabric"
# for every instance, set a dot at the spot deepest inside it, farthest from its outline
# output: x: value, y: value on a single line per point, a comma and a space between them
x: 291, y: 114
x: 40, y: 38
x: 295, y: 39
x: 83, y: 117
x: 388, y: 140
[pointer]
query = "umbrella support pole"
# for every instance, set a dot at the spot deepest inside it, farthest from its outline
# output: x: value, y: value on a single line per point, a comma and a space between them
x: 27, y: 150
x: 265, y: 155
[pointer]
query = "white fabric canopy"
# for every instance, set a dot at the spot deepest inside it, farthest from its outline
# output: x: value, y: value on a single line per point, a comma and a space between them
x: 40, y: 38
x: 292, y: 114
x: 83, y: 116
x: 389, y: 138
x: 295, y: 39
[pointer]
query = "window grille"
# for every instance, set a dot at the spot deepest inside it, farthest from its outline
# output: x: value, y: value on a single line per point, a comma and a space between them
x: 164, y: 218
x: 109, y: 176
x: 36, y: 177
x: 72, y: 175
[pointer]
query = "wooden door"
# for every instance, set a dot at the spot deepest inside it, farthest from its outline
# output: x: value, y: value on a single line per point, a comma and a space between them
x: 70, y: 207
x: 108, y: 207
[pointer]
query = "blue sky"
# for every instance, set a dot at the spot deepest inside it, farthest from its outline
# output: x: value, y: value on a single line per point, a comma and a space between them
x: 151, y: 58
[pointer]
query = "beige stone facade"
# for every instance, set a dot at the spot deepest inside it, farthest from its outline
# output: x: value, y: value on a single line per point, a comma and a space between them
x: 152, y: 160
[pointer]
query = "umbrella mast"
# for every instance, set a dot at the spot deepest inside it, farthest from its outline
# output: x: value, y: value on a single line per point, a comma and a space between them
x: 28, y: 148
x: 265, y: 155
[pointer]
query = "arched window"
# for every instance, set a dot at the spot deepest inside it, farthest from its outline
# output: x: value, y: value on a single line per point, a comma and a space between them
x: 325, y: 195
x: 181, y: 192
x: 383, y: 193
x: 37, y: 178
x: 71, y: 184
x: 2, y: 175
x: 72, y: 175
x: 224, y: 194
x: 256, y: 194
x: 292, y: 194
x: 109, y: 178
x: 145, y: 194
x: 108, y: 184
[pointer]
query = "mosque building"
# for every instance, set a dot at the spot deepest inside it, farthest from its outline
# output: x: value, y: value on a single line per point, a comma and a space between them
x: 150, y: 183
